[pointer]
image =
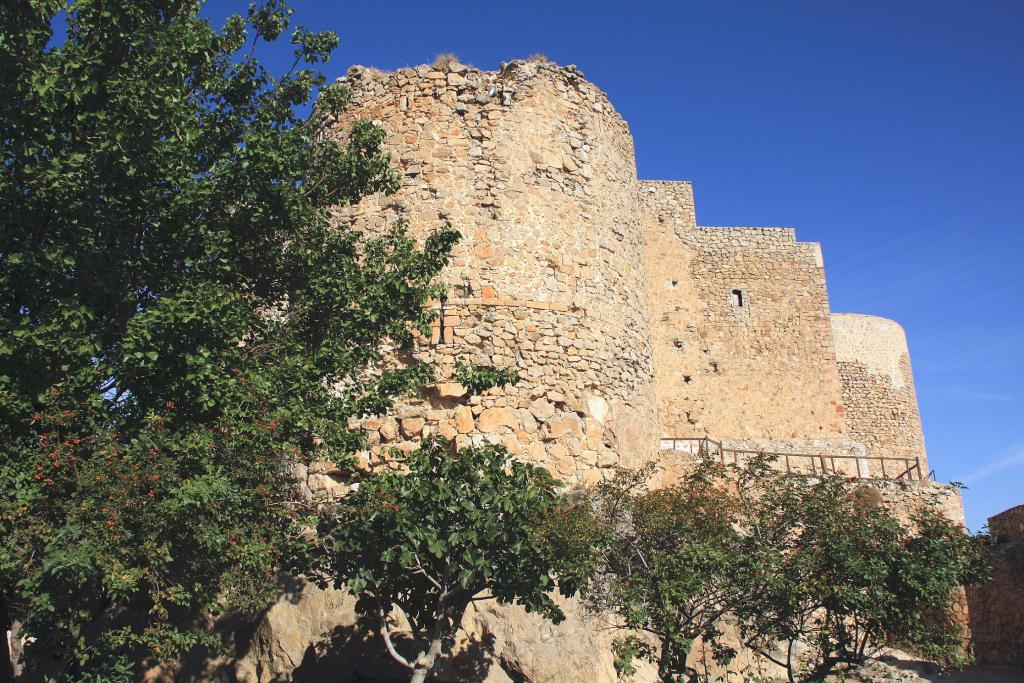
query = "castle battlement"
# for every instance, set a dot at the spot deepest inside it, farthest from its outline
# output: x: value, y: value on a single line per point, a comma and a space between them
x: 629, y: 322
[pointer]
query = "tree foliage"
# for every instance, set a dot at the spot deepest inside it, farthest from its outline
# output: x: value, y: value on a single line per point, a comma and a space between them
x: 443, y: 530
x: 668, y: 566
x: 180, y: 321
x: 813, y: 574
x: 479, y: 378
x: 839, y: 576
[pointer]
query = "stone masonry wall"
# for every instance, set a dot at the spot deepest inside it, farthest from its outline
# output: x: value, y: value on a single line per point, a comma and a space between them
x: 627, y: 321
x: 997, y: 606
x: 1008, y: 525
x: 536, y: 170
x: 669, y: 202
x: 742, y: 344
x: 878, y: 388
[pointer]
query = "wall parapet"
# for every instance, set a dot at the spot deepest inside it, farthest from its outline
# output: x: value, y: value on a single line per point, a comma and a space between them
x: 768, y: 233
x: 670, y: 202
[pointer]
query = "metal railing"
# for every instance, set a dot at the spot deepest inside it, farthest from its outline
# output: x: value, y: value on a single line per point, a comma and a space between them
x: 856, y: 466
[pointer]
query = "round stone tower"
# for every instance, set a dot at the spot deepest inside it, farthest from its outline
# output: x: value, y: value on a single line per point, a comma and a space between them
x: 878, y: 389
x: 536, y: 170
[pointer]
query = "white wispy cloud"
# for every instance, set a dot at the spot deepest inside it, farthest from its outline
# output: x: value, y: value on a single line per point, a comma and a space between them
x: 1010, y: 458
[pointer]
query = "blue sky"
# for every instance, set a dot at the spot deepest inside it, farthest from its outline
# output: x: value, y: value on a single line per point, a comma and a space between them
x: 891, y: 132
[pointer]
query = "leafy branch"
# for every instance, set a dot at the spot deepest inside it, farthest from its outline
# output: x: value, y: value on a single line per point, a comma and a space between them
x: 479, y: 378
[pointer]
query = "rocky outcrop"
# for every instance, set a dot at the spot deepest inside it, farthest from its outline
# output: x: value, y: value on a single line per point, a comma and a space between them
x: 311, y: 635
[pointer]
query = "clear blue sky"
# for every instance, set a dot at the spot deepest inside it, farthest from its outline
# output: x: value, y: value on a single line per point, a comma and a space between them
x: 891, y: 132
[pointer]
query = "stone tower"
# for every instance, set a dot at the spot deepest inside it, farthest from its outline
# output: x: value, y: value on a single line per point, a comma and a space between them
x: 742, y: 343
x: 878, y: 387
x: 536, y: 170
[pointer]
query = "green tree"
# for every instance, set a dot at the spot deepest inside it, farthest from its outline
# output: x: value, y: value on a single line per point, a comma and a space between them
x: 479, y: 378
x: 841, y: 576
x: 445, y: 529
x: 816, y: 574
x: 668, y: 563
x: 180, y: 321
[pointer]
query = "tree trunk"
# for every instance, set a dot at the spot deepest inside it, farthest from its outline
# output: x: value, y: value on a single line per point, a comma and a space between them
x: 425, y: 664
x: 447, y: 622
x: 665, y: 669
x: 6, y: 660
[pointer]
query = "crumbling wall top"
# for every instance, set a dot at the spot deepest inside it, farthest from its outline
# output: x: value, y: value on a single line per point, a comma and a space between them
x: 878, y: 343
x: 1008, y: 525
x: 670, y: 202
x: 511, y: 82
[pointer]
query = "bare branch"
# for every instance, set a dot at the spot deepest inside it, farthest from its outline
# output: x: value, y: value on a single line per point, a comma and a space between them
x: 418, y: 569
x: 385, y: 633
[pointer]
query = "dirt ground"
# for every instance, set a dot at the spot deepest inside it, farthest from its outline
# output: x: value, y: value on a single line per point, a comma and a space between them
x: 981, y: 674
x: 901, y: 669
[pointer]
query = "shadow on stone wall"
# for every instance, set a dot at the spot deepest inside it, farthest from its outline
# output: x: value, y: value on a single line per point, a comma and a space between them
x: 348, y: 656
x: 997, y: 606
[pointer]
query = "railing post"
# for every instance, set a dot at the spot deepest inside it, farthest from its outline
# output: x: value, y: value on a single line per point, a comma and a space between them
x: 911, y: 470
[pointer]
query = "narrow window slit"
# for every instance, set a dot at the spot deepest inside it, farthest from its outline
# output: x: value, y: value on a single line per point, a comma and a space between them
x: 440, y: 322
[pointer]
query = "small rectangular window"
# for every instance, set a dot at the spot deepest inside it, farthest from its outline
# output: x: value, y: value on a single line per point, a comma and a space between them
x: 737, y: 298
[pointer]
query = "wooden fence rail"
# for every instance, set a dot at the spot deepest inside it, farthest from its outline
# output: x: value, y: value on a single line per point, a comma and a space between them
x: 864, y: 466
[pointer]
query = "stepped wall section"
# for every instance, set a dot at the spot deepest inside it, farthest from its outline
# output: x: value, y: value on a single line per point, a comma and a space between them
x: 740, y: 316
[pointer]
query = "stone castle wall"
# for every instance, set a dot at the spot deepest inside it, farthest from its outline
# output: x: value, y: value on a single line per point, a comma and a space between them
x: 1008, y: 525
x: 878, y: 388
x: 627, y: 320
x: 741, y: 329
x: 769, y: 366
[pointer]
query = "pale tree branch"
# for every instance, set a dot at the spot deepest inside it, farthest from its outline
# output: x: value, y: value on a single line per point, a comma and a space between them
x: 385, y: 634
x: 418, y: 569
